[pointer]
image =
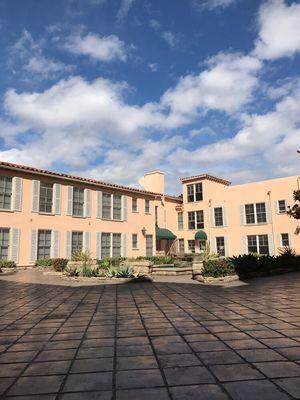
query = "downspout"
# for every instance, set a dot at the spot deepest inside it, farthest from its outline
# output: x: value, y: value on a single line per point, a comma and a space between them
x: 272, y: 224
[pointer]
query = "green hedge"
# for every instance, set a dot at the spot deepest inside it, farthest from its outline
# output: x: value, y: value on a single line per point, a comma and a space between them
x: 59, y: 264
x: 157, y: 259
x: 44, y: 262
x: 217, y: 268
x: 7, y: 264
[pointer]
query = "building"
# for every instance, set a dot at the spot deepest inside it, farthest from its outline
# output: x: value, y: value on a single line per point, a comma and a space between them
x: 47, y: 214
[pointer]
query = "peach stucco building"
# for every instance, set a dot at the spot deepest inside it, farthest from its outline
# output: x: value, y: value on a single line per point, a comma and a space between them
x: 46, y: 214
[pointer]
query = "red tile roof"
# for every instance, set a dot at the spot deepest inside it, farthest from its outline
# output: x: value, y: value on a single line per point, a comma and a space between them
x: 205, y: 176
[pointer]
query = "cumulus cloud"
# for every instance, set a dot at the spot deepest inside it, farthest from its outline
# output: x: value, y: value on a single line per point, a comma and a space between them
x: 100, y: 48
x: 26, y: 58
x: 279, y: 30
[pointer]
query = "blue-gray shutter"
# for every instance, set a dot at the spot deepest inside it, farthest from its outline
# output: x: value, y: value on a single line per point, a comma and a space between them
x: 290, y: 240
x: 212, y: 217
x: 14, y: 240
x: 70, y: 201
x: 98, y: 245
x: 271, y: 244
x: 87, y: 202
x: 244, y: 245
x: 268, y: 213
x: 57, y: 199
x: 226, y: 246
x: 124, y: 245
x: 99, y: 204
x: 242, y: 214
x: 224, y: 211
x: 276, y: 206
x: 55, y: 244
x: 17, y: 188
x: 124, y: 208
x: 35, y: 195
x: 68, y: 245
x: 87, y: 242
x: 33, y: 245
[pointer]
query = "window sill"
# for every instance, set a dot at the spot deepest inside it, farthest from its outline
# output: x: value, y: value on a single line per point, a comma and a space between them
x: 112, y: 220
x: 77, y: 216
x: 258, y: 224
x: 6, y: 210
x: 147, y: 213
x: 135, y: 249
x: 45, y: 213
x: 135, y: 212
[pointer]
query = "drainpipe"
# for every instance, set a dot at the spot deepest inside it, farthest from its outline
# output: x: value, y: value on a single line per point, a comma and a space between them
x: 209, y: 224
x: 272, y: 224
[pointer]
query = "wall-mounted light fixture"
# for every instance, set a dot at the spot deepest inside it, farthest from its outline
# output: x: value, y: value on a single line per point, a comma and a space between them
x: 144, y: 230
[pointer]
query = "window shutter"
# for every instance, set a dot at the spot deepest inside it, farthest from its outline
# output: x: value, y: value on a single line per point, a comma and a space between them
x: 87, y: 202
x: 33, y: 245
x: 244, y: 245
x: 213, y: 245
x: 226, y: 246
x: 17, y: 186
x: 212, y: 217
x: 124, y: 208
x: 35, y: 196
x: 99, y: 204
x: 268, y: 213
x: 98, y: 245
x: 290, y: 240
x: 68, y: 244
x: 55, y: 244
x: 224, y: 211
x: 279, y: 241
x: 271, y: 245
x: 87, y: 242
x: 276, y: 206
x: 124, y: 245
x: 70, y: 201
x: 242, y: 215
x: 14, y: 244
x: 57, y: 199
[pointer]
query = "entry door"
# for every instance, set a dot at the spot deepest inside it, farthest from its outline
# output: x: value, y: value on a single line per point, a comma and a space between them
x: 149, y: 245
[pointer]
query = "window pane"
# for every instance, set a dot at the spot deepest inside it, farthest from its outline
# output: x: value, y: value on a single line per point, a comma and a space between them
x: 46, y: 197
x: 198, y: 191
x: 105, y: 245
x: 252, y: 244
x: 200, y: 219
x: 191, y: 219
x: 281, y: 206
x: 191, y: 246
x: 77, y: 241
x: 4, y: 243
x: 44, y: 244
x: 190, y: 193
x: 180, y: 221
x: 116, y: 249
x: 220, y: 242
x: 78, y: 201
x: 249, y: 212
x: 261, y: 215
x: 134, y: 241
x: 149, y: 245
x: 117, y: 207
x: 134, y: 204
x: 218, y: 216
x: 285, y: 241
x: 263, y: 244
x: 147, y: 206
x: 106, y: 206
x: 5, y: 192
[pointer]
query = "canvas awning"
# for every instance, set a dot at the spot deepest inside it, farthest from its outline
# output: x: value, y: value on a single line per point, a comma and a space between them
x: 200, y: 235
x: 162, y: 233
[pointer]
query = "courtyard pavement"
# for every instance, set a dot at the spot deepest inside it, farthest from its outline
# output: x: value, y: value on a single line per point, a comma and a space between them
x: 158, y: 341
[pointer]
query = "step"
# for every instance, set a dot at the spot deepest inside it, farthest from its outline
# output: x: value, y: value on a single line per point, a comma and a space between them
x: 172, y: 271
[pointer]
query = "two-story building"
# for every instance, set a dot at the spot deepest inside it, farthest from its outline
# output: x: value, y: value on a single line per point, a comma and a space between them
x: 47, y: 214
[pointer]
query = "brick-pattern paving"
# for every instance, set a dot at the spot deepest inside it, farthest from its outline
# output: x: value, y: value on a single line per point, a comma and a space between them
x: 151, y: 341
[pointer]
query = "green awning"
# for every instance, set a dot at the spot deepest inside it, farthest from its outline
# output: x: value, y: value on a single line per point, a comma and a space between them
x: 162, y: 233
x: 200, y: 235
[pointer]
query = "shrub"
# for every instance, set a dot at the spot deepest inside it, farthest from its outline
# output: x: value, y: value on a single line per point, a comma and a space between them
x: 110, y: 262
x: 7, y: 264
x: 288, y: 259
x: 59, y: 264
x: 43, y: 262
x: 81, y: 256
x: 120, y: 272
x: 157, y: 259
x: 217, y: 268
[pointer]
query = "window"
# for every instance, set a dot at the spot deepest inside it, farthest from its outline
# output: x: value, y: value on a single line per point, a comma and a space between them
x: 255, y: 213
x: 196, y: 219
x: 147, y: 206
x: 149, y: 245
x: 77, y: 241
x: 258, y: 244
x: 134, y: 241
x: 220, y: 245
x: 116, y: 244
x: 285, y: 240
x: 78, y: 202
x: 281, y: 206
x: 218, y: 216
x: 46, y: 196
x: 194, y: 192
x: 105, y: 245
x: 5, y: 192
x: 4, y: 243
x: 180, y: 221
x: 44, y: 244
x: 117, y: 207
x: 106, y: 206
x: 181, y: 246
x: 134, y: 204
x: 156, y: 215
x: 191, y: 246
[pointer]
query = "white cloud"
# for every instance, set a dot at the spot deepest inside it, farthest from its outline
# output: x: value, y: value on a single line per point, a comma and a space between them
x: 124, y: 9
x: 153, y: 67
x: 279, y: 33
x: 26, y: 58
x: 204, y: 131
x: 100, y: 48
x: 212, y: 4
x: 226, y: 85
x: 169, y: 37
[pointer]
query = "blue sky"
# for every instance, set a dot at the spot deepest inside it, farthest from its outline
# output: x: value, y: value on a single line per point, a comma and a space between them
x: 113, y: 88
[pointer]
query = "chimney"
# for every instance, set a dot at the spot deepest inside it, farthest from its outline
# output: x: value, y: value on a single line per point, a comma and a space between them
x: 153, y: 181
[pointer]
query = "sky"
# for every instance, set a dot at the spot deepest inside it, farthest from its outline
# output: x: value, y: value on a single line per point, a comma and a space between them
x: 111, y: 89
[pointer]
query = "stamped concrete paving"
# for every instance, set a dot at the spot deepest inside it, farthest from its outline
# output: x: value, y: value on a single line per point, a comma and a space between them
x: 151, y: 341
